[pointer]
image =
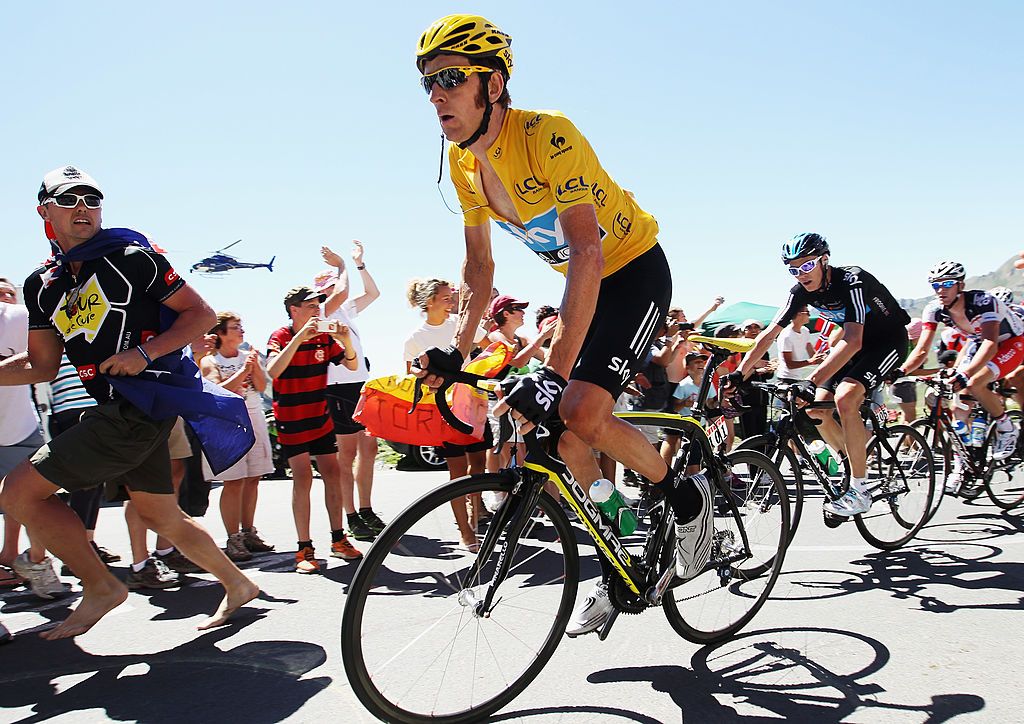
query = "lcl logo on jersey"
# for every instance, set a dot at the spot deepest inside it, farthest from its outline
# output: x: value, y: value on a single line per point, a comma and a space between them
x: 621, y: 226
x: 529, y: 189
x: 572, y: 190
x: 86, y: 317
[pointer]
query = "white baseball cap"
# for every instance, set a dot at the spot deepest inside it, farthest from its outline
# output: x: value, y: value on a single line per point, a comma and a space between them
x: 61, y: 179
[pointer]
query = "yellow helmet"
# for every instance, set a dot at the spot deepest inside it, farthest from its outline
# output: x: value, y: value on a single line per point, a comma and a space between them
x: 469, y: 35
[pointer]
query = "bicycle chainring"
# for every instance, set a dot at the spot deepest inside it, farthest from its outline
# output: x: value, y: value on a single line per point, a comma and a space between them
x: 624, y: 600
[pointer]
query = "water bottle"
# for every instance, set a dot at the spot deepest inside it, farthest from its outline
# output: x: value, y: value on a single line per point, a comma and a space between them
x: 610, y: 501
x: 820, y: 450
x: 961, y: 429
x: 978, y: 430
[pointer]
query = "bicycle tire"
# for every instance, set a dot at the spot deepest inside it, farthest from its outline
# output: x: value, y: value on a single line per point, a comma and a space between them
x: 1004, y: 480
x: 900, y: 508
x: 941, y: 454
x: 769, y: 446
x: 720, y: 611
x: 398, y: 589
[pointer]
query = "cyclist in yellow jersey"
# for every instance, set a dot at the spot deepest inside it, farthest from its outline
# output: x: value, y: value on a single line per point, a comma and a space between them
x: 536, y: 175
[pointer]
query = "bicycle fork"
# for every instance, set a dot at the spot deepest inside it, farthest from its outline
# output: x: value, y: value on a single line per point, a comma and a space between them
x: 510, y: 518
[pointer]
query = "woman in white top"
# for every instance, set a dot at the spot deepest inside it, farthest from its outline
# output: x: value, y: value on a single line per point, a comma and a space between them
x: 241, y: 373
x: 434, y: 298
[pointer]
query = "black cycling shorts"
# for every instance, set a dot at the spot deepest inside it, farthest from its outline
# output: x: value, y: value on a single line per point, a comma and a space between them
x: 341, y: 401
x: 631, y: 306
x: 325, y: 445
x: 878, y: 356
x: 451, y: 450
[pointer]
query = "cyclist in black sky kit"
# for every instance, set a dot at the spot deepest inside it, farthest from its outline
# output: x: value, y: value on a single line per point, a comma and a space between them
x: 873, y: 343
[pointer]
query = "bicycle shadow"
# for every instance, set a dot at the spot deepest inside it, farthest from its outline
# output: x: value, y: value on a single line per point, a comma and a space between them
x: 801, y: 674
x: 921, y: 573
x: 258, y: 681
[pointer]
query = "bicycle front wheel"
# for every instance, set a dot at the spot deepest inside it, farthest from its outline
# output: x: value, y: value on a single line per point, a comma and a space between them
x: 416, y: 643
x: 901, y: 488
x: 1004, y: 480
x: 941, y: 455
x: 747, y: 553
x: 786, y: 461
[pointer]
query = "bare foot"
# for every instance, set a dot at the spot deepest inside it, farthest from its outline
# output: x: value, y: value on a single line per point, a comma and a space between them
x: 96, y: 602
x: 236, y: 597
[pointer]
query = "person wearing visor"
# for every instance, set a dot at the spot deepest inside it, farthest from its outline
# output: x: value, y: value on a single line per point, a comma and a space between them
x: 872, y: 343
x: 994, y: 349
x: 538, y: 178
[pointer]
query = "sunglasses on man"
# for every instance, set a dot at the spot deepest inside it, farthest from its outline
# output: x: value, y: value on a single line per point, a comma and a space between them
x: 945, y: 284
x: 451, y: 77
x: 804, y: 268
x: 70, y: 201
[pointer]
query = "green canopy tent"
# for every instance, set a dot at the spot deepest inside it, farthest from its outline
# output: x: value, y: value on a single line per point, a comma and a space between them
x: 742, y: 311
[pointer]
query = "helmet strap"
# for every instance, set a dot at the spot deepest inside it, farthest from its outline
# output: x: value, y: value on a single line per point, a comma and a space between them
x: 482, y: 129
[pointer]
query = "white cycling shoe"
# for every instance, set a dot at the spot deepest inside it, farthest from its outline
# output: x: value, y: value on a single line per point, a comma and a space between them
x: 693, y: 539
x: 592, y: 613
x: 1005, y: 443
x: 853, y: 502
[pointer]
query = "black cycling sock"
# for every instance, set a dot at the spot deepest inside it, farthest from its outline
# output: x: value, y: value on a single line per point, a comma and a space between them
x: 683, y: 496
x: 337, y: 535
x: 305, y: 544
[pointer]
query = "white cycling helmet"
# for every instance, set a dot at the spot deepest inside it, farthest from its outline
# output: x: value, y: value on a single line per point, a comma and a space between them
x: 947, y: 270
x: 1003, y: 294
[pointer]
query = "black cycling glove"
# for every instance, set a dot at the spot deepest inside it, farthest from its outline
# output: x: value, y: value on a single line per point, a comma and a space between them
x: 442, y: 361
x: 804, y: 390
x: 535, y: 396
x: 733, y: 379
x: 894, y: 375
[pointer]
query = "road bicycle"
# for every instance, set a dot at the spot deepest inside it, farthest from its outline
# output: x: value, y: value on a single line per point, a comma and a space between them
x: 980, y: 471
x: 900, y: 469
x: 434, y: 632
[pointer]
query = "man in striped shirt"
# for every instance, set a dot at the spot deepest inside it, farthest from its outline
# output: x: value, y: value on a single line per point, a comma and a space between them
x: 297, y: 359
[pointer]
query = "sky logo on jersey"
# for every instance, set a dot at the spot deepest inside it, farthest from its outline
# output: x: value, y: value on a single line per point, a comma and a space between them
x: 87, y: 316
x: 543, y: 236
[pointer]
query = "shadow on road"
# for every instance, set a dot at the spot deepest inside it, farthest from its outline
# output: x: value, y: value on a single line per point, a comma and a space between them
x: 256, y: 681
x: 797, y: 674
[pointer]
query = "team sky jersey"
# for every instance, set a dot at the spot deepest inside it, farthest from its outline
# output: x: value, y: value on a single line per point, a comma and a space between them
x: 979, y: 307
x: 118, y: 308
x: 852, y: 295
x: 300, y: 399
x: 547, y: 166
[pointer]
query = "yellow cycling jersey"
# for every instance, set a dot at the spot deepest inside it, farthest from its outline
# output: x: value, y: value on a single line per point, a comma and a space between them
x: 546, y: 165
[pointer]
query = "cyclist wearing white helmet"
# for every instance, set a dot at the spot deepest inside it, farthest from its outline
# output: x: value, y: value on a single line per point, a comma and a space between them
x: 537, y: 177
x: 995, y: 347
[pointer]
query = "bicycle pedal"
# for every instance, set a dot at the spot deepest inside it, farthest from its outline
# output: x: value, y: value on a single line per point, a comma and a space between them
x: 832, y: 520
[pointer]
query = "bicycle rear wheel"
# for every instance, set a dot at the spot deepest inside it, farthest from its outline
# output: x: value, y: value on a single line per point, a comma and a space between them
x: 901, y: 488
x: 415, y: 645
x: 717, y: 603
x: 941, y: 455
x: 1004, y: 480
x: 789, y: 468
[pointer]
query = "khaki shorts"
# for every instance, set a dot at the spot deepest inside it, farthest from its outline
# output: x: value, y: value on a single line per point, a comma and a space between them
x: 177, y: 443
x: 115, y: 442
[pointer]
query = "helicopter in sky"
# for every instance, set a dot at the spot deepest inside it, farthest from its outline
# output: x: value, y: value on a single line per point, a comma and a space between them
x: 219, y: 262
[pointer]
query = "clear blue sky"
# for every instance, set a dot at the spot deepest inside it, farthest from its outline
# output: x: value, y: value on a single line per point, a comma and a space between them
x: 893, y: 128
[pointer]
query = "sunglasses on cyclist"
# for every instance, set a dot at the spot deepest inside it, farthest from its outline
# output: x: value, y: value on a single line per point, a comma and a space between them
x: 945, y: 284
x: 70, y: 201
x: 804, y: 268
x: 452, y: 77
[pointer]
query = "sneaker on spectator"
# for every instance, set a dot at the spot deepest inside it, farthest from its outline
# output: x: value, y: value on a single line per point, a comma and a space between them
x: 372, y: 520
x: 358, y: 528
x: 177, y: 562
x: 254, y: 543
x: 154, y: 574
x: 306, y: 562
x: 41, y: 577
x: 105, y: 555
x: 236, y: 550
x: 5, y: 635
x: 345, y: 550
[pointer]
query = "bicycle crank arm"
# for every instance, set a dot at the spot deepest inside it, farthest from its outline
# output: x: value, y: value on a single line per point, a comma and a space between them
x: 656, y: 592
x: 608, y: 625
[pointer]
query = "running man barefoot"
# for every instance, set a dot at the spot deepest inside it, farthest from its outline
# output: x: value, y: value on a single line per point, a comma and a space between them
x: 100, y: 298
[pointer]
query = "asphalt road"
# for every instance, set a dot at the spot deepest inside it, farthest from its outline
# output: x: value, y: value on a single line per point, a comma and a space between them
x: 931, y: 633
